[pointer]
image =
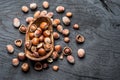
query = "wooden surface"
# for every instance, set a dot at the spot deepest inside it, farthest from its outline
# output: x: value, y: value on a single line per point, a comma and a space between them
x: 99, y: 22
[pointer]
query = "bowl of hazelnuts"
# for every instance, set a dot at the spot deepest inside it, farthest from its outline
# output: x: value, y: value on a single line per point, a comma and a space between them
x: 39, y: 42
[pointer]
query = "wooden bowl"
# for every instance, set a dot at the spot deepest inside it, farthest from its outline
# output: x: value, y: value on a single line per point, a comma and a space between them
x: 37, y: 22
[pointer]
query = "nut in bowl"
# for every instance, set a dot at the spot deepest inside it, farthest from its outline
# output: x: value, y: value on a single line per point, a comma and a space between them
x: 38, y: 22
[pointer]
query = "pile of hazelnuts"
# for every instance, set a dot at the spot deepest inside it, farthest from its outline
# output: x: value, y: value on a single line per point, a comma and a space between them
x: 39, y: 49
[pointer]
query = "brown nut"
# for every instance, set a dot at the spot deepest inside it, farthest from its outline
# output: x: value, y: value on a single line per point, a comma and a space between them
x: 66, y: 39
x: 21, y: 56
x: 66, y: 20
x: 55, y: 55
x: 60, y: 28
x: 43, y: 13
x: 38, y: 66
x: 38, y: 32
x: 70, y: 59
x: 10, y: 48
x: 15, y: 62
x: 25, y: 9
x: 33, y: 48
x: 28, y: 44
x: 36, y: 14
x: 18, y: 42
x: 55, y: 68
x: 60, y: 9
x: 47, y: 47
x: 41, y: 38
x: 50, y: 60
x: 67, y: 51
x: 56, y: 22
x: 40, y: 45
x: 35, y: 41
x: 79, y: 38
x: 76, y: 26
x: 16, y: 22
x: 58, y: 48
x: 25, y: 67
x: 31, y: 35
x: 22, y: 28
x: 29, y: 19
x: 33, y: 27
x: 69, y: 14
x: 44, y: 25
x: 45, y: 4
x: 33, y: 6
x: 47, y: 33
x: 45, y: 65
x: 56, y: 35
x: 42, y: 52
x: 47, y: 40
x: 65, y: 32
x: 50, y: 14
x: 81, y: 53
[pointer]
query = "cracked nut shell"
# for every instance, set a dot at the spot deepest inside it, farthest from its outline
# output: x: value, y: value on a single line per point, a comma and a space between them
x: 79, y: 38
x: 38, y: 66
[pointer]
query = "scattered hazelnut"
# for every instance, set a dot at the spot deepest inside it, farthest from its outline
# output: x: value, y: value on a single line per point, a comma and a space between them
x: 60, y: 28
x: 16, y: 22
x: 43, y: 13
x: 60, y: 9
x: 21, y: 56
x: 29, y: 19
x: 56, y: 35
x: 25, y: 67
x: 45, y: 4
x: 36, y: 14
x: 47, y: 40
x: 38, y: 66
x: 55, y: 68
x: 56, y: 22
x: 33, y: 27
x: 81, y: 53
x: 70, y: 59
x: 44, y: 25
x: 45, y: 65
x: 69, y: 14
x: 50, y: 60
x: 50, y: 14
x: 46, y: 33
x: 76, y: 26
x: 33, y: 6
x: 67, y: 51
x: 42, y: 52
x: 55, y: 55
x: 18, y: 42
x: 58, y: 48
x: 79, y: 38
x: 66, y: 20
x: 10, y: 48
x: 22, y: 28
x: 65, y: 32
x: 66, y: 39
x: 35, y: 41
x: 25, y: 9
x: 15, y: 62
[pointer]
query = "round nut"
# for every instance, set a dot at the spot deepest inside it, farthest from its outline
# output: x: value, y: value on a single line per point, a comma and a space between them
x: 65, y: 32
x: 42, y: 52
x: 55, y: 68
x: 60, y: 28
x: 56, y: 35
x: 60, y: 9
x: 36, y: 14
x: 33, y: 27
x: 29, y: 19
x: 22, y: 28
x: 38, y: 66
x: 44, y: 25
x: 18, y: 42
x: 10, y: 48
x: 33, y: 6
x: 16, y: 22
x: 66, y: 20
x: 31, y: 35
x: 66, y: 39
x: 47, y: 47
x: 15, y: 62
x: 69, y: 14
x: 25, y: 67
x: 35, y: 41
x: 58, y: 48
x: 41, y: 38
x: 47, y: 40
x: 46, y: 33
x: 81, y: 53
x: 76, y: 26
x: 38, y: 32
x: 55, y: 55
x: 70, y: 59
x: 67, y: 51
x: 56, y: 22
x: 79, y: 38
x: 50, y: 14
x: 21, y: 56
x: 43, y: 13
x: 25, y: 9
x: 45, y: 4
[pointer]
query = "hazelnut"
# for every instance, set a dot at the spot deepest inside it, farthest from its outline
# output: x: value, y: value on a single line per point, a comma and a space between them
x: 79, y: 38
x: 66, y: 20
x: 38, y: 32
x: 22, y: 28
x: 45, y: 65
x: 33, y: 48
x: 28, y: 44
x: 21, y: 56
x: 44, y: 25
x: 18, y: 42
x: 70, y: 59
x: 65, y: 32
x: 25, y: 9
x: 35, y: 41
x: 40, y: 45
x: 15, y: 62
x: 33, y: 27
x: 29, y: 19
x: 56, y: 22
x: 33, y: 6
x: 50, y: 14
x: 69, y: 14
x: 67, y: 51
x: 16, y: 22
x: 41, y: 38
x: 55, y: 55
x: 43, y: 13
x: 58, y: 48
x: 38, y: 66
x: 50, y: 60
x: 56, y: 35
x: 47, y: 47
x: 55, y: 68
x: 10, y: 48
x: 47, y: 40
x: 31, y: 35
x: 45, y: 4
x: 25, y: 67
x: 81, y: 53
x: 42, y: 52
x: 66, y: 39
x: 76, y: 26
x: 60, y: 28
x: 60, y: 9
x: 46, y: 33
x: 36, y: 14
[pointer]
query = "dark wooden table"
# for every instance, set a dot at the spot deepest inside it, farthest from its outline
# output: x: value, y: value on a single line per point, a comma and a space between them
x: 99, y: 22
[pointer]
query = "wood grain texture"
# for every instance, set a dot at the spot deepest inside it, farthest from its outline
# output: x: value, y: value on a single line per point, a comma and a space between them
x: 99, y: 22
